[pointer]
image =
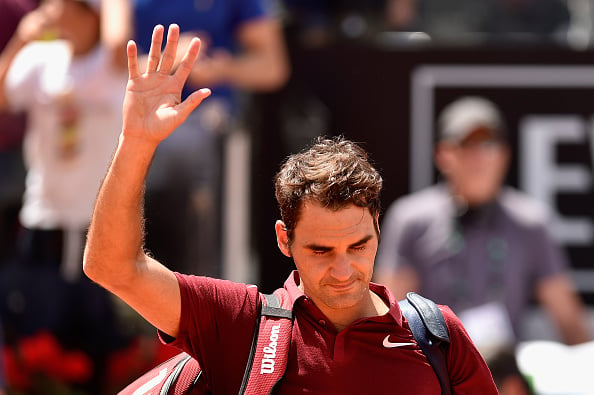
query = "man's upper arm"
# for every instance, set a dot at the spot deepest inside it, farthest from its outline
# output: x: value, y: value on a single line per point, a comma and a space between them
x: 263, y: 37
x: 559, y: 298
x: 154, y: 293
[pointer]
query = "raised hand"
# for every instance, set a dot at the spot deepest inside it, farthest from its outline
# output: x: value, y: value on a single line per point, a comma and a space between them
x: 152, y: 105
x: 39, y: 23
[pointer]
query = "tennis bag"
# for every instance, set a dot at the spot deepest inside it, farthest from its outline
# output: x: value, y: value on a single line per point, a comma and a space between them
x: 266, y: 365
x: 181, y: 375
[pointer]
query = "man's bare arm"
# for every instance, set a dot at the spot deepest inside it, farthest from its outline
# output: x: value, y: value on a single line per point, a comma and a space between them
x: 400, y: 280
x: 262, y: 64
x: 562, y: 303
x: 114, y: 255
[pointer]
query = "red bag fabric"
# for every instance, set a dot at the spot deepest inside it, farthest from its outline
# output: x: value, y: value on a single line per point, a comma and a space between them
x: 179, y: 375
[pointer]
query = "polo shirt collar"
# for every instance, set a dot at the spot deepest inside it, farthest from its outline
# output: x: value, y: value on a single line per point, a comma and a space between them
x: 295, y: 294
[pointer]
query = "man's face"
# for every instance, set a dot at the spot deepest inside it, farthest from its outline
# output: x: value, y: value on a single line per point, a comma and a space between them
x: 474, y: 167
x: 334, y: 252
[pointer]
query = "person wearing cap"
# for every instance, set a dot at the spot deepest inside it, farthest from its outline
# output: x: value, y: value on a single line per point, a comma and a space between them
x: 55, y: 69
x: 475, y: 244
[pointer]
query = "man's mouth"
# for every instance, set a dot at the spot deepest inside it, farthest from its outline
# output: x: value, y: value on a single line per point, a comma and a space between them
x: 343, y: 286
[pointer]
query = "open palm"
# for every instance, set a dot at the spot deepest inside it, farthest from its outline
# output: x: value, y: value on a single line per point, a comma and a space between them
x: 152, y: 105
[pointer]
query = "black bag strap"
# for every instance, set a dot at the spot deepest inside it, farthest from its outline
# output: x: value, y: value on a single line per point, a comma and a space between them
x: 430, y: 330
x: 269, y: 351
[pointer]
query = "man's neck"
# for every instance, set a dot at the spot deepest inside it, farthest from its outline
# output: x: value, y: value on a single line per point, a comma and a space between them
x: 463, y: 203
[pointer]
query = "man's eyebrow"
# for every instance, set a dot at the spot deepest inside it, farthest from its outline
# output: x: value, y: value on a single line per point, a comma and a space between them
x: 362, y: 241
x: 319, y: 247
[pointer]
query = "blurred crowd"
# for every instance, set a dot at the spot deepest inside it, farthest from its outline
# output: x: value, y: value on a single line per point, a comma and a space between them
x: 453, y: 22
x: 60, y: 118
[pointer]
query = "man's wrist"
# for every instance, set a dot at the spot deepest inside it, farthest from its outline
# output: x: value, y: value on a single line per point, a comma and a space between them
x: 140, y: 144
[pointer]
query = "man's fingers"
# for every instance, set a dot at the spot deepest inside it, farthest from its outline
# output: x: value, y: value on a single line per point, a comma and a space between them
x: 170, y: 49
x: 132, y: 52
x: 187, y: 63
x: 154, y: 56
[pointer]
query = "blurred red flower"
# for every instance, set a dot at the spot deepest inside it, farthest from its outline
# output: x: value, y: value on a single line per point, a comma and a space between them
x: 41, y: 358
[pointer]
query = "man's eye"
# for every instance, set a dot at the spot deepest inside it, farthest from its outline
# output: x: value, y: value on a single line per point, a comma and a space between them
x: 359, y: 248
x: 319, y: 252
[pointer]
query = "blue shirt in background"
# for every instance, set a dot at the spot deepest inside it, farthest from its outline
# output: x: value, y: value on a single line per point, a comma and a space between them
x: 218, y: 20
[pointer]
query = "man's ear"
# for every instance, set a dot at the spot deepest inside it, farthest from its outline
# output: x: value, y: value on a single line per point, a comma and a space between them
x: 377, y: 227
x: 282, y: 238
x: 442, y: 157
x: 506, y: 155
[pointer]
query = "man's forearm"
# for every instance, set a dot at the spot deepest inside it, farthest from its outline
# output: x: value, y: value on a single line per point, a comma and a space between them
x: 114, y: 244
x: 564, y: 306
x: 245, y: 72
x: 262, y: 65
x: 6, y: 58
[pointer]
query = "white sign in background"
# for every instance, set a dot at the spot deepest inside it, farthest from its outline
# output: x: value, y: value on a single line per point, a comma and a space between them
x: 540, y: 173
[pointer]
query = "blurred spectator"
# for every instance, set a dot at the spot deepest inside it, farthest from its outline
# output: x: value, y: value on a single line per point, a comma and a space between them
x: 13, y: 174
x: 443, y: 21
x: 54, y: 69
x: 243, y: 51
x: 453, y: 22
x: 475, y: 244
x: 478, y: 22
x: 506, y: 373
x: 12, y: 127
x: 526, y: 21
x: 402, y: 15
x: 317, y: 23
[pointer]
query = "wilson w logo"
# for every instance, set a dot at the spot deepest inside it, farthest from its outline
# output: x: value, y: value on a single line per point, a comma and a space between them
x: 270, y: 351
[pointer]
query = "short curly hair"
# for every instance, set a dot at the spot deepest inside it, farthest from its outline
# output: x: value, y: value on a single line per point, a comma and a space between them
x: 334, y: 172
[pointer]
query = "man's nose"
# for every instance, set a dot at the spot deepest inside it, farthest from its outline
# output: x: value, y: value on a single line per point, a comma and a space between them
x: 341, y: 269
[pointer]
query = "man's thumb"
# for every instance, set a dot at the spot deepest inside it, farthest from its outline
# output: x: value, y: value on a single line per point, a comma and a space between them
x: 193, y: 101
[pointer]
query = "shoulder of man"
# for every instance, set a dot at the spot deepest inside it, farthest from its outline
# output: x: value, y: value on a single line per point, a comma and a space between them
x: 523, y: 208
x: 425, y: 204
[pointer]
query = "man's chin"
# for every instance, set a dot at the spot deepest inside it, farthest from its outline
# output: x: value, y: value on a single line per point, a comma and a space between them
x: 342, y: 300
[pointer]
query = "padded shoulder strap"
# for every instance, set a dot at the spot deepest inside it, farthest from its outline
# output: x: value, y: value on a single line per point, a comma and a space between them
x: 431, y: 333
x: 270, y: 346
x: 431, y: 316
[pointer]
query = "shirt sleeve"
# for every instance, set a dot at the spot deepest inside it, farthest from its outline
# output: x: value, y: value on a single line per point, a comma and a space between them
x: 469, y: 373
x: 545, y: 257
x: 216, y: 327
x: 392, y: 252
x: 248, y: 10
x: 549, y: 258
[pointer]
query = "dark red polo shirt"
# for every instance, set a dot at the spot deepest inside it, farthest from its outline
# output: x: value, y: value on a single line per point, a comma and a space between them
x: 217, y: 325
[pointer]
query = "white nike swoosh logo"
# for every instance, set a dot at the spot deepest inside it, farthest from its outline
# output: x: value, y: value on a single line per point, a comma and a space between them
x: 388, y: 344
